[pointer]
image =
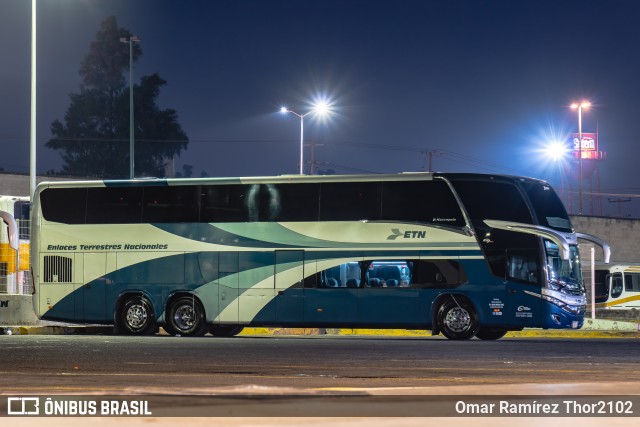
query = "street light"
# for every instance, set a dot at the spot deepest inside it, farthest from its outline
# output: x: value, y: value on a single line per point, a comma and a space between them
x: 320, y: 108
x: 579, y: 107
x: 130, y: 40
x: 32, y: 130
x: 555, y: 150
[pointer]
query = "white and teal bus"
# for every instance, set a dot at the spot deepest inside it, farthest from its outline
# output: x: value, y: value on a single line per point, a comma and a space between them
x: 460, y: 254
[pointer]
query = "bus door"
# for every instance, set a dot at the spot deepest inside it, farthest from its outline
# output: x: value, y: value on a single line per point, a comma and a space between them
x: 228, y: 279
x: 632, y: 288
x: 256, y: 287
x: 616, y: 285
x: 334, y: 299
x: 91, y: 304
x: 524, y: 286
x: 289, y: 277
x: 386, y: 297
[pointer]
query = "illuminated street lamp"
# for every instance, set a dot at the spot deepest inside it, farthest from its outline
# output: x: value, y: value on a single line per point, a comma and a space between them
x: 320, y: 108
x: 556, y: 150
x: 130, y: 40
x: 579, y: 107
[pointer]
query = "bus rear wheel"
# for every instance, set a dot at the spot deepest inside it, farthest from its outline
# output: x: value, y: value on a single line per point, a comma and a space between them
x: 458, y: 319
x: 135, y: 317
x: 225, y: 331
x: 185, y: 317
x: 491, y: 333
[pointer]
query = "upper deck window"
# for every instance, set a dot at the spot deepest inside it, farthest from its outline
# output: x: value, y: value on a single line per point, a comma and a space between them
x: 115, y: 205
x: 350, y: 201
x: 65, y: 205
x: 421, y: 201
x: 428, y: 202
x: 485, y: 199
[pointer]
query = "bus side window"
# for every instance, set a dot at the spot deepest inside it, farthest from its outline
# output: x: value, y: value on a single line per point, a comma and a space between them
x: 314, y: 280
x: 437, y: 274
x: 632, y: 282
x: 522, y: 265
x: 616, y: 285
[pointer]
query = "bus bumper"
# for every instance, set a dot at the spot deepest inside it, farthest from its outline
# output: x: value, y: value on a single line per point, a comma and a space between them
x: 559, y: 318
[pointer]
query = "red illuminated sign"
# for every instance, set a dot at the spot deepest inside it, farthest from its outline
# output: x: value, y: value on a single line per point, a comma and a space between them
x: 590, y: 155
x: 589, y: 143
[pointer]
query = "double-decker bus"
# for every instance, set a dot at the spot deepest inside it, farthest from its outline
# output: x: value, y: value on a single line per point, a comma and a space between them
x: 617, y: 286
x: 460, y: 254
x: 14, y: 248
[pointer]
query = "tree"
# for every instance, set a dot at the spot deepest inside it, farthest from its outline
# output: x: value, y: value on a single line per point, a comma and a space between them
x: 94, y: 138
x: 187, y: 172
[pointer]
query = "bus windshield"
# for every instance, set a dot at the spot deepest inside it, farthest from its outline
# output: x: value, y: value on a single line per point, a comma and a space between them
x: 566, y: 275
x: 547, y: 206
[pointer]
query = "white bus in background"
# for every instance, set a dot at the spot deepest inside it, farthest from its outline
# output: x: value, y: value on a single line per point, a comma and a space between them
x: 14, y: 267
x: 617, y: 286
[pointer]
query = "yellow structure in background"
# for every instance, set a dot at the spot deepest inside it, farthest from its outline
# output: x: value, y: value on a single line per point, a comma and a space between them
x: 15, y: 280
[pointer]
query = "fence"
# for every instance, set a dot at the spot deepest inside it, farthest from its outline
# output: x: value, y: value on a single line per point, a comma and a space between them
x: 14, y: 268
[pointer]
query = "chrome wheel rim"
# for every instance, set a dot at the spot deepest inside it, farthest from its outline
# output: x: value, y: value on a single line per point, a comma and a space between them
x: 137, y: 316
x: 184, y: 317
x: 458, y: 320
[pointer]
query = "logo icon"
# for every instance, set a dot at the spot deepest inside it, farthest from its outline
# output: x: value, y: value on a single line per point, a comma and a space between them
x: 23, y: 406
x: 410, y: 234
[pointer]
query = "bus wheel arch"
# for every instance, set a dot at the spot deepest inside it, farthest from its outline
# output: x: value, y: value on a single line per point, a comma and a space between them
x: 135, y: 315
x: 456, y: 317
x: 185, y: 316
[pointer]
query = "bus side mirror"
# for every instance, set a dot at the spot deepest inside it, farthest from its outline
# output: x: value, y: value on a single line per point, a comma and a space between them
x: 12, y: 229
x: 606, y: 249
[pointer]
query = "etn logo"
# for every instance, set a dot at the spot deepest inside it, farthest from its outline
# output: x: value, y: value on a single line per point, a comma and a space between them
x: 409, y: 234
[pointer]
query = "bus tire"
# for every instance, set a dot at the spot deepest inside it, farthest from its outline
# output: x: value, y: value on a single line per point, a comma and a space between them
x: 225, y: 331
x: 135, y: 317
x: 185, y: 317
x: 458, y: 319
x: 490, y: 333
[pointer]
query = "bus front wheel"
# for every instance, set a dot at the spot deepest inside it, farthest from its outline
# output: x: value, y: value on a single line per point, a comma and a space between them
x: 225, y: 331
x: 136, y: 317
x: 458, y: 319
x: 490, y: 333
x: 186, y: 317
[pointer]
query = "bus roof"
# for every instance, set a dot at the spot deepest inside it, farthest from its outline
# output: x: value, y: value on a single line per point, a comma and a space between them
x: 280, y: 179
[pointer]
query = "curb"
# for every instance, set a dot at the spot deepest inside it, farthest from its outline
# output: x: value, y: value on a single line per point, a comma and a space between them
x: 527, y: 333
x: 56, y: 330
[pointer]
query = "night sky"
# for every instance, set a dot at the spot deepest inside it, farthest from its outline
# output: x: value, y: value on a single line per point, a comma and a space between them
x: 483, y: 85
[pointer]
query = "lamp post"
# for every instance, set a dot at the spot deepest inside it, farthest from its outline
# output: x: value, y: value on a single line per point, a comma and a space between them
x: 321, y: 108
x: 130, y: 40
x: 579, y: 107
x: 32, y: 130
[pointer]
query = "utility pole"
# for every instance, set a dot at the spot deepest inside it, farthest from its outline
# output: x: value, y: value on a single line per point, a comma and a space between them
x: 131, y: 40
x: 313, y: 145
x: 428, y: 154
